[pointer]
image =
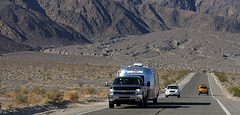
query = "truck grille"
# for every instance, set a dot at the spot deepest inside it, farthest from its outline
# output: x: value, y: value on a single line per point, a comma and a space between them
x: 125, y: 88
x: 124, y: 93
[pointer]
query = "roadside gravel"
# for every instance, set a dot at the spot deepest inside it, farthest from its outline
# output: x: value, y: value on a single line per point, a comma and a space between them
x: 77, y: 109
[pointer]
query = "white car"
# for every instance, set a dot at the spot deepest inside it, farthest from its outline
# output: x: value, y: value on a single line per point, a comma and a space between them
x: 172, y: 90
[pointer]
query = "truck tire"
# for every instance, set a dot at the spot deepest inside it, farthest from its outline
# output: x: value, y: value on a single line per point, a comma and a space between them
x: 111, y: 105
x: 178, y: 96
x: 155, y: 100
x: 141, y: 103
x: 145, y: 102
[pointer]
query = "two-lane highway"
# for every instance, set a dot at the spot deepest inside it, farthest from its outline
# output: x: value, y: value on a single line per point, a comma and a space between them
x: 190, y: 103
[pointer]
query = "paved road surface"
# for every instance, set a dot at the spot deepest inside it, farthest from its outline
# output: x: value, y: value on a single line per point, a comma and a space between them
x: 190, y: 103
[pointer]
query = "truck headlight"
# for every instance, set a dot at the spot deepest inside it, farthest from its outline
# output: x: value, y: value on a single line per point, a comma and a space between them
x: 176, y: 91
x: 110, y: 91
x: 139, y: 91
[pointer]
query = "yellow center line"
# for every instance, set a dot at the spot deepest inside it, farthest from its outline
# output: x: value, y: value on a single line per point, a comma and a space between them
x: 160, y: 109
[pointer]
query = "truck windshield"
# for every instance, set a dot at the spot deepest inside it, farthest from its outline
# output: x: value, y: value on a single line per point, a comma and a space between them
x: 172, y: 87
x: 127, y: 81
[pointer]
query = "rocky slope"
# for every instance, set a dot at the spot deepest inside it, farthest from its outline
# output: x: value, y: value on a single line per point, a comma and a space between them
x: 101, y: 18
x: 26, y: 23
x: 8, y: 45
x: 108, y: 18
x: 226, y: 8
x: 53, y: 23
x: 178, y: 48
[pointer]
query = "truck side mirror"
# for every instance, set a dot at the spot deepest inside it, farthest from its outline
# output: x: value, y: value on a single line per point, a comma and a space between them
x: 148, y: 83
x: 106, y: 84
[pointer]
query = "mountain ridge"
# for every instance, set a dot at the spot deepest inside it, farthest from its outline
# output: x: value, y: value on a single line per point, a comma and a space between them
x: 51, y: 23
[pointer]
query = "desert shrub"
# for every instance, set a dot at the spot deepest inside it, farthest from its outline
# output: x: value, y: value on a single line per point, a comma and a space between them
x: 90, y: 91
x: 7, y: 106
x: 29, y: 79
x: 34, y: 98
x: 181, y: 74
x: 24, y: 91
x: 21, y: 99
x: 71, y: 95
x: 236, y: 91
x: 53, y: 96
x: 3, y: 91
x: 164, y: 77
x: 221, y: 76
x: 17, y: 89
x: 102, y: 93
x: 39, y: 91
x: 110, y: 74
x: 80, y: 84
x: 171, y: 81
x: 14, y: 94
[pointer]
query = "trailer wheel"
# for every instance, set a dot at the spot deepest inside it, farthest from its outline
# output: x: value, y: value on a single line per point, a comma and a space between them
x: 111, y: 105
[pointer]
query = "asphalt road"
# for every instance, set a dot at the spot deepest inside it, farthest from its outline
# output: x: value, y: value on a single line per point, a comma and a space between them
x: 190, y: 103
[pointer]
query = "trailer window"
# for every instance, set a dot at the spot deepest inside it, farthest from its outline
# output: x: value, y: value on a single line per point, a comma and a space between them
x: 127, y: 81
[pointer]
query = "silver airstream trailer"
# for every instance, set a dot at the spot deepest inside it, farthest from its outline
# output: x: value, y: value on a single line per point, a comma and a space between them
x: 135, y: 84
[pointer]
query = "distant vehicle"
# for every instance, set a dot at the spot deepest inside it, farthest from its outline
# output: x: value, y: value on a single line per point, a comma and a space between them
x: 172, y: 90
x: 135, y: 84
x: 203, y: 89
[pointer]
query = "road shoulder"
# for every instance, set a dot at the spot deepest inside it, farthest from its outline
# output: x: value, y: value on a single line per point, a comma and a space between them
x: 219, y: 92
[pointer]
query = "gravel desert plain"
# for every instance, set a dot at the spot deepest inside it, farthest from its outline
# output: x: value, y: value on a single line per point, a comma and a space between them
x: 58, y: 54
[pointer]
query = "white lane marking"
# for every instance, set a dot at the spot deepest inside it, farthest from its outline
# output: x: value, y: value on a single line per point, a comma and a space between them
x: 219, y: 102
x: 92, y: 111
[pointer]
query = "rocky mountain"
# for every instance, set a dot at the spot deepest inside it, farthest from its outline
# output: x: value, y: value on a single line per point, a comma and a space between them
x: 107, y: 18
x: 24, y: 22
x: 225, y: 8
x: 101, y: 18
x: 54, y: 23
x: 8, y: 45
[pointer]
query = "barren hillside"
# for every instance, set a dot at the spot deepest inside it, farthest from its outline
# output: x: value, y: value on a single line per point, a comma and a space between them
x: 52, y: 23
x: 25, y: 23
x: 179, y: 48
x: 226, y: 8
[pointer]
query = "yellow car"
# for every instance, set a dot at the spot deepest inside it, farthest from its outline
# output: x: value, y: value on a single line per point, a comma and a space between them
x: 203, y: 89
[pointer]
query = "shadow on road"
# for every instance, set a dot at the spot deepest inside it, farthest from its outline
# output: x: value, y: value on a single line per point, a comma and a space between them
x: 166, y: 105
x: 182, y: 103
